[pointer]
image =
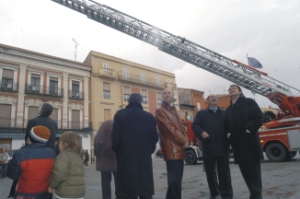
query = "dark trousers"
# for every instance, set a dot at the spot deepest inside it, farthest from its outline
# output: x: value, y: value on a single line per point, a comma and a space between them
x: 251, y: 172
x: 224, y: 186
x: 138, y: 197
x: 105, y: 183
x: 175, y: 173
x: 3, y: 170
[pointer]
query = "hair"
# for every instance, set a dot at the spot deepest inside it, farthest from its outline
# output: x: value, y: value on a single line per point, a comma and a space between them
x: 46, y: 109
x: 135, y: 97
x: 72, y: 141
x: 170, y: 89
x: 239, y: 88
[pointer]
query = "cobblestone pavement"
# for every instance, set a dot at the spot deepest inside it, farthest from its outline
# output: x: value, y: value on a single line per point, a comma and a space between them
x: 280, y: 181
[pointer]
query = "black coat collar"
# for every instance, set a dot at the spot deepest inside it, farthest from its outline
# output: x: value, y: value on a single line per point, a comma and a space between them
x: 134, y: 105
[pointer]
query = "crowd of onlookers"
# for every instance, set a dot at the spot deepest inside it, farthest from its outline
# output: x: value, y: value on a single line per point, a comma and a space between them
x: 124, y: 146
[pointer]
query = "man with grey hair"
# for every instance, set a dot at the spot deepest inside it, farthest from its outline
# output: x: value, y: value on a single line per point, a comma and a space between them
x: 134, y: 139
x: 44, y: 120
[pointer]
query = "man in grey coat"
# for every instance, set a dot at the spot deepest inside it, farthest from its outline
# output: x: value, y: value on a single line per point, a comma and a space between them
x: 106, y: 161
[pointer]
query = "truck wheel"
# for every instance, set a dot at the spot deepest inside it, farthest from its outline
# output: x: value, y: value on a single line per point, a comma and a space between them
x: 268, y: 116
x: 276, y: 152
x: 291, y: 155
x: 190, y: 157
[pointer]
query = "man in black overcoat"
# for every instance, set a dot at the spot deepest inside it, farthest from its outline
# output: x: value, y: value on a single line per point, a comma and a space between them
x: 46, y: 121
x: 243, y: 118
x: 134, y: 138
x: 209, y: 128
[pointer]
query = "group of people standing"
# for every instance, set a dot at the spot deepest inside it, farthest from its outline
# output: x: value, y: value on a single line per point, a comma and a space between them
x: 236, y: 127
x: 123, y: 146
x: 39, y: 170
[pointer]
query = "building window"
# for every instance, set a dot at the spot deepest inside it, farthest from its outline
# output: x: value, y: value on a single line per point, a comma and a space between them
x: 106, y: 90
x: 53, y: 88
x: 169, y: 81
x: 54, y: 114
x: 198, y: 106
x: 143, y: 77
x: 125, y: 73
x: 126, y: 93
x: 34, y: 83
x: 33, y: 112
x: 5, y: 115
x: 7, y: 79
x: 75, y: 89
x: 107, y: 114
x: 157, y: 80
x: 158, y: 98
x: 106, y: 66
x: 144, y: 95
x: 75, y: 124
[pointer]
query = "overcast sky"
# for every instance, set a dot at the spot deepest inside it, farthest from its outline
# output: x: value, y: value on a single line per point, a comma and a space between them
x: 267, y: 30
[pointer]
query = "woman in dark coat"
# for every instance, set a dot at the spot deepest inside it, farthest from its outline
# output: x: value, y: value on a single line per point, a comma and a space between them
x: 243, y: 118
x: 134, y: 138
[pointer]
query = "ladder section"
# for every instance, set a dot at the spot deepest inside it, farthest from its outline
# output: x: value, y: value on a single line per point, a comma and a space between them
x: 182, y: 48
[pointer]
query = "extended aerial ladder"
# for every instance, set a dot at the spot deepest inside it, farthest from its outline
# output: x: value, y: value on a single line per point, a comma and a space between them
x: 283, y: 95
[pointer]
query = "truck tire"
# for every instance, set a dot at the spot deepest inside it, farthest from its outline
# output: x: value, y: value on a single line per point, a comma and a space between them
x: 268, y: 116
x: 276, y: 152
x: 291, y: 155
x: 190, y: 157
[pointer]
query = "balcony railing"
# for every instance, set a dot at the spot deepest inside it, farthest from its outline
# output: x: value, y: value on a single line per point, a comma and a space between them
x: 9, y: 86
x: 75, y: 124
x: 7, y: 122
x: 44, y: 90
x: 76, y: 95
x: 145, y: 80
x: 106, y: 72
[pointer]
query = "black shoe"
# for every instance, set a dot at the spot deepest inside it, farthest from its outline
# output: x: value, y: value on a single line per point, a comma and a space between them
x: 212, y: 197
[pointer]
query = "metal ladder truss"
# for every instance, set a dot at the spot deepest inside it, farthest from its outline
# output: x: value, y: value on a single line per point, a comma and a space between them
x: 182, y: 48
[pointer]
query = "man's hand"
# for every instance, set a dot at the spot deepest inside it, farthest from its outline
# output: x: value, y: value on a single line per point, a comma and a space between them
x: 204, y: 135
x: 228, y: 135
x: 247, y: 131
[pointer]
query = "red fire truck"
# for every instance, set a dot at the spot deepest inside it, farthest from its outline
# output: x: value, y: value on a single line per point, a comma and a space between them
x: 280, y: 134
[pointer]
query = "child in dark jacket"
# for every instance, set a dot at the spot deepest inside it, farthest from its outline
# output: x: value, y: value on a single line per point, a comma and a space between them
x: 32, y: 165
x: 67, y: 179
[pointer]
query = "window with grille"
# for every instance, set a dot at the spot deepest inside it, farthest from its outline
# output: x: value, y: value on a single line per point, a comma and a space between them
x: 143, y: 77
x: 75, y: 124
x: 125, y: 73
x: 144, y: 95
x: 75, y: 89
x: 5, y: 115
x: 34, y: 83
x: 157, y: 80
x: 7, y: 79
x: 53, y: 88
x: 106, y: 66
x: 126, y: 93
x: 106, y: 90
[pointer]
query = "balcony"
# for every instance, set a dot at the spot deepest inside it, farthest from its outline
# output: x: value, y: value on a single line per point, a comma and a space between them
x: 44, y: 90
x: 76, y: 95
x: 9, y: 86
x: 106, y: 72
x: 7, y: 122
x: 145, y: 80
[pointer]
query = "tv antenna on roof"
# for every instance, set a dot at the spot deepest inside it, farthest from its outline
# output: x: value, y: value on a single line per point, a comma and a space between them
x: 76, y: 44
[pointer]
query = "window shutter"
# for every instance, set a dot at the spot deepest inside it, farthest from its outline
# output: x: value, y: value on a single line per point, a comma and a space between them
x: 106, y: 86
x: 33, y: 112
x: 8, y: 74
x: 126, y: 90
